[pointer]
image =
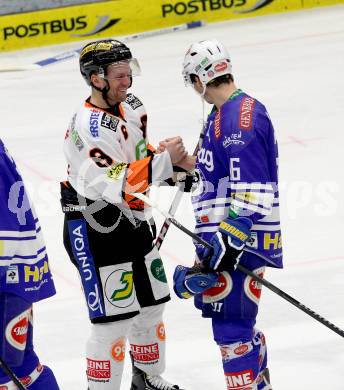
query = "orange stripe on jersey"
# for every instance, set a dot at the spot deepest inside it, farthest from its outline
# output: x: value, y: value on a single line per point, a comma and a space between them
x: 138, y: 180
x: 121, y: 110
x: 113, y: 112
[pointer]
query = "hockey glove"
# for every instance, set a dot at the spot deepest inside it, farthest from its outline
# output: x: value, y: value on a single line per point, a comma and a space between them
x: 188, y: 282
x: 228, y: 243
x: 186, y: 180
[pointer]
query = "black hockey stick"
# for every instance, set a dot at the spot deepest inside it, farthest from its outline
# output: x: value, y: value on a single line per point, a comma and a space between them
x: 255, y: 277
x: 12, y: 375
x: 175, y: 203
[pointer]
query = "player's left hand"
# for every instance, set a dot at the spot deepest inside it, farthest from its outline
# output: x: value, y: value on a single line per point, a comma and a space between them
x: 188, y: 282
x: 228, y: 243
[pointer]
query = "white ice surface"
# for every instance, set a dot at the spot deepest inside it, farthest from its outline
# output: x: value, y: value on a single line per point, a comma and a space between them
x: 293, y: 63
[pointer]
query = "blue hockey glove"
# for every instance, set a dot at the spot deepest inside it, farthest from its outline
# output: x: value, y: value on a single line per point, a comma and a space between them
x: 188, y: 282
x: 228, y: 243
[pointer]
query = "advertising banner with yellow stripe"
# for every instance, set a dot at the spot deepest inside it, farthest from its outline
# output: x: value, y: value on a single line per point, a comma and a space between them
x: 123, y: 17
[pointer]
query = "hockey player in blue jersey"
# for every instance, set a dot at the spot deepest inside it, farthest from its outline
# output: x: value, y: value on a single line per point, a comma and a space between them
x: 24, y: 279
x: 237, y: 211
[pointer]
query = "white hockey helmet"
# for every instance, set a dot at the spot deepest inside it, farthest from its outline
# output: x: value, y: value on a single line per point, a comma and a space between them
x: 206, y: 59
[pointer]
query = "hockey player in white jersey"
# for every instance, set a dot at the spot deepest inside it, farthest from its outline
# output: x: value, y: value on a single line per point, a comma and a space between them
x: 108, y: 233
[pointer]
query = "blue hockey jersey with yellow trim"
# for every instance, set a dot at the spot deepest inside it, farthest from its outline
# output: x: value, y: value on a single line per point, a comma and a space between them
x: 237, y: 168
x: 24, y: 266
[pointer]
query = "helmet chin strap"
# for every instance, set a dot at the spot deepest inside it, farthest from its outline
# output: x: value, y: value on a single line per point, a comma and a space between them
x: 203, y: 104
x: 203, y: 112
x: 104, y: 91
x: 203, y: 90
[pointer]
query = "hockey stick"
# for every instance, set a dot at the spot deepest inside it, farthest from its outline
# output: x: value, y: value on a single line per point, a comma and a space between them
x: 12, y: 375
x: 255, y: 277
x: 175, y: 203
x: 75, y: 53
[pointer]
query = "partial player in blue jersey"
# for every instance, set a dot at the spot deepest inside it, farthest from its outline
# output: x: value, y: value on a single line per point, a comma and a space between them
x: 24, y: 279
x: 236, y: 207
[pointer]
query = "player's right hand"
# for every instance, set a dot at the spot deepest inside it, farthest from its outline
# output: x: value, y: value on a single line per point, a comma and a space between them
x: 228, y: 244
x: 188, y: 282
x: 175, y: 148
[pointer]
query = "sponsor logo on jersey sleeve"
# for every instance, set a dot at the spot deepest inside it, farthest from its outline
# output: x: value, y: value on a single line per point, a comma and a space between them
x: 246, y: 113
x: 94, y: 124
x: 133, y: 101
x: 217, y: 124
x: 77, y: 140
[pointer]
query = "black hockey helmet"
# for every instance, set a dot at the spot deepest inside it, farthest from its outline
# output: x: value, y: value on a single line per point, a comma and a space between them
x: 96, y: 56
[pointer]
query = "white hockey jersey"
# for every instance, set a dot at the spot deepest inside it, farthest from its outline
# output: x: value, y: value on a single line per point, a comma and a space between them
x: 109, y: 156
